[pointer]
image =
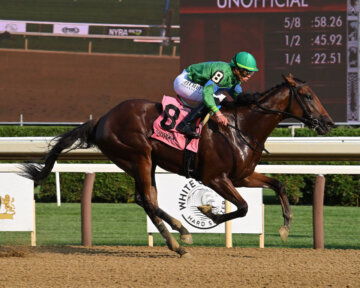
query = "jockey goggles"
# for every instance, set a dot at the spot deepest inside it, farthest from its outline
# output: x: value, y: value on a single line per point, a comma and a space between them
x: 245, y: 73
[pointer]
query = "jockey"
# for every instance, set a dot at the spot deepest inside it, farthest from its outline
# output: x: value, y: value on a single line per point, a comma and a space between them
x: 204, y: 83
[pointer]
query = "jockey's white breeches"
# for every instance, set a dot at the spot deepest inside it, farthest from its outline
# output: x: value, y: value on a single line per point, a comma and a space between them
x: 192, y: 93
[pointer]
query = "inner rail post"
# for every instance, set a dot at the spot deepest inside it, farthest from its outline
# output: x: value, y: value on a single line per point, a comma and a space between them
x: 318, y: 212
x: 86, y: 234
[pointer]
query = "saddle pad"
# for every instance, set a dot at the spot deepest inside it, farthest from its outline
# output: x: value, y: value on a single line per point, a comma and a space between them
x: 164, y: 126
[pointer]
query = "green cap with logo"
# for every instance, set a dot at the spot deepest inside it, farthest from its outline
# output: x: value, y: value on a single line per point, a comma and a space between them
x: 245, y: 61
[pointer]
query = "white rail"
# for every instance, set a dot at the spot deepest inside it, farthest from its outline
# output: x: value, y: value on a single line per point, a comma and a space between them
x: 159, y: 39
x: 134, y: 32
x: 266, y: 169
x: 112, y: 168
x: 11, y: 24
x: 281, y: 149
x: 93, y: 24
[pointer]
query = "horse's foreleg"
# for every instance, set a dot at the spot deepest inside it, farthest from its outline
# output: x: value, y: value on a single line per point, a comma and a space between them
x: 259, y: 180
x: 224, y: 187
x: 150, y: 209
x: 175, y: 224
x: 146, y: 191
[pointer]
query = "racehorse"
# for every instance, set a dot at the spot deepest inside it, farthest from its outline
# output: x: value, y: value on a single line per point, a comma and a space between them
x: 226, y: 157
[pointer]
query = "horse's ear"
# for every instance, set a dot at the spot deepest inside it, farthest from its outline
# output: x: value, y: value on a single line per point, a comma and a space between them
x: 289, y: 79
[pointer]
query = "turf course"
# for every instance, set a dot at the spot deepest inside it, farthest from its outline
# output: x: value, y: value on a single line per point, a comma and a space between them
x: 125, y: 224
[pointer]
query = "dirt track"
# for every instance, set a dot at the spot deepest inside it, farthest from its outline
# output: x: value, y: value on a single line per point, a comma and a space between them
x: 76, y: 266
x: 68, y: 87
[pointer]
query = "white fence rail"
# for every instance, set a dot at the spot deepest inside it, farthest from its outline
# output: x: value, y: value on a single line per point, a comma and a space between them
x: 280, y: 148
x: 266, y: 169
x: 112, y: 168
x: 161, y: 34
x: 76, y: 29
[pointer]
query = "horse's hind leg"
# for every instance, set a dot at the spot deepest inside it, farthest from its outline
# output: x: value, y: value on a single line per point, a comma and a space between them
x: 175, y: 224
x: 147, y: 192
x: 259, y: 180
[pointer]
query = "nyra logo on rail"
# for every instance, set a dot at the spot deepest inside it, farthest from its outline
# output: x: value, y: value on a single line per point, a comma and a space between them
x: 194, y: 194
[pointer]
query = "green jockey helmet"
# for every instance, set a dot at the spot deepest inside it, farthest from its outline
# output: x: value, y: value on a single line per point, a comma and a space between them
x: 245, y: 61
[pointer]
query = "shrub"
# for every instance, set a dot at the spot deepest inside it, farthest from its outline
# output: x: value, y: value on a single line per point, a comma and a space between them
x: 108, y: 187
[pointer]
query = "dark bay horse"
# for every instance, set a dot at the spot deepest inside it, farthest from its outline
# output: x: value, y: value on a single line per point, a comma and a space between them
x: 224, y: 160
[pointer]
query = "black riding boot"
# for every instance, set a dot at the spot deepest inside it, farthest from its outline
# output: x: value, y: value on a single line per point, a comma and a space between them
x: 188, y: 125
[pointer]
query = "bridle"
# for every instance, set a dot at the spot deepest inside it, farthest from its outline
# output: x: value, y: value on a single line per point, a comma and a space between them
x: 306, y: 118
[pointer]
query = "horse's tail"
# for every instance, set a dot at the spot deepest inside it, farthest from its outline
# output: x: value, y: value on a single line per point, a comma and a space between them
x: 80, y: 137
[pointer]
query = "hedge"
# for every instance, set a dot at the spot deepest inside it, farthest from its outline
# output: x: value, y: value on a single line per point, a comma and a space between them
x: 113, y: 187
x: 108, y: 188
x: 33, y: 131
x: 339, y: 189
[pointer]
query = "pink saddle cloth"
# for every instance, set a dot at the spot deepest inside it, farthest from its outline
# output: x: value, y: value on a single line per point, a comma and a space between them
x: 164, y: 126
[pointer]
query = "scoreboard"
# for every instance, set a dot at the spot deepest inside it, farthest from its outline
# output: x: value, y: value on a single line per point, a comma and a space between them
x: 315, y: 40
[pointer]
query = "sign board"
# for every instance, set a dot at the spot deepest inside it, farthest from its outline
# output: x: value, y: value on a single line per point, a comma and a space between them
x: 315, y: 40
x: 114, y: 31
x: 12, y: 26
x: 17, y: 203
x: 180, y: 197
x: 71, y: 29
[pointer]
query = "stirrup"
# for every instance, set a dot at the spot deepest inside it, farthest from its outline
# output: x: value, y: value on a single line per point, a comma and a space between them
x: 186, y: 129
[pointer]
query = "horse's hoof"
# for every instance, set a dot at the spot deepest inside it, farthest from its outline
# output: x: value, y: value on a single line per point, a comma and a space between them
x: 186, y: 256
x: 187, y: 239
x: 205, y: 209
x: 284, y: 233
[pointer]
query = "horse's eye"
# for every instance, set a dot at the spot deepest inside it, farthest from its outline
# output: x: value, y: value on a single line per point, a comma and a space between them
x: 308, y: 97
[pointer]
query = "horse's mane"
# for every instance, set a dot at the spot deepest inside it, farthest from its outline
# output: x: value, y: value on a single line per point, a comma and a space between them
x: 247, y: 98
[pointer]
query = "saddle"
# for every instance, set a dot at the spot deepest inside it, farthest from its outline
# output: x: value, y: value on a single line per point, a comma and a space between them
x: 173, y: 113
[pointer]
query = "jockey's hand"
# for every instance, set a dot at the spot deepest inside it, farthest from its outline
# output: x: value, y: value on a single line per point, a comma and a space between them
x: 221, y: 119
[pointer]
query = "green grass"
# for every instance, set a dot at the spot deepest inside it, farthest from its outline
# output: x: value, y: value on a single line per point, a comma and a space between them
x: 125, y: 224
x: 89, y: 11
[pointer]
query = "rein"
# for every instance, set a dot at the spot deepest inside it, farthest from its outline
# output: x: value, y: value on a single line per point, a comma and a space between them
x: 240, y: 134
x: 306, y: 119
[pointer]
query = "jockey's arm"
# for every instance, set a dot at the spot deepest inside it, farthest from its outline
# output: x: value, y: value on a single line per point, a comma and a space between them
x: 209, y: 89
